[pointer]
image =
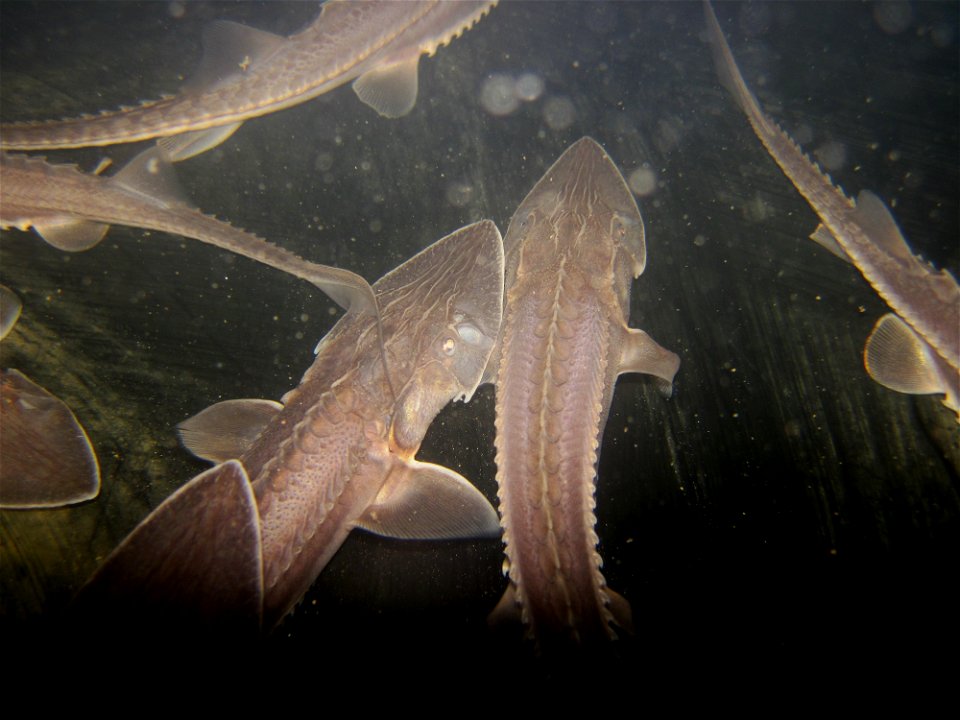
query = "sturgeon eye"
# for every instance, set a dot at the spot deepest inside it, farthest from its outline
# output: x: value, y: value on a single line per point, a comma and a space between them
x: 449, y: 346
x: 469, y: 334
x: 526, y: 222
x: 620, y: 225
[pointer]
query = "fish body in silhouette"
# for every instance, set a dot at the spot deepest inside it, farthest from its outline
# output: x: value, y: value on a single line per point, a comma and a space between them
x: 572, y: 250
x: 915, y: 350
x: 247, y: 73
x: 238, y: 545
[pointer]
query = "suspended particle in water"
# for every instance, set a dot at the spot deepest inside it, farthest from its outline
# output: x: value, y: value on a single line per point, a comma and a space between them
x: 669, y: 133
x: 601, y: 18
x: 529, y: 87
x: 559, y: 113
x: 755, y: 19
x: 643, y: 181
x: 498, y: 96
x: 757, y: 209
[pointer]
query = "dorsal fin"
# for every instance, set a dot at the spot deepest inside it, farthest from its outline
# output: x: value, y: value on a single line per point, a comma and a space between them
x: 151, y: 175
x: 873, y: 216
x: 229, y: 50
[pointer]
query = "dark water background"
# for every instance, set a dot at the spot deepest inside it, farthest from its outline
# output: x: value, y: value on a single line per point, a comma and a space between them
x: 780, y: 505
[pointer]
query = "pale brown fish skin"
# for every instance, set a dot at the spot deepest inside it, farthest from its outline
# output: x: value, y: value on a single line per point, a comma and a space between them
x: 926, y: 299
x: 46, y: 459
x: 347, y: 40
x: 338, y: 454
x: 573, y: 247
x: 320, y: 465
x: 34, y: 193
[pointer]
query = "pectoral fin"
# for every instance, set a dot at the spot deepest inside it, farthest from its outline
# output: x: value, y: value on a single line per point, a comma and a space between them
x: 391, y: 90
x: 640, y: 353
x: 194, y: 563
x: 421, y: 501
x: 225, y: 430
x: 898, y: 359
x: 48, y: 460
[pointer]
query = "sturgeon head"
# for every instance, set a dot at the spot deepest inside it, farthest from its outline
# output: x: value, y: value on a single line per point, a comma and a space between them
x: 233, y: 550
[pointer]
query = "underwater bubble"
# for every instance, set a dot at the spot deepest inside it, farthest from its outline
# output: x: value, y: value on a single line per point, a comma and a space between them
x: 497, y: 95
x: 643, y: 181
x: 803, y: 135
x: 793, y: 428
x: 559, y: 113
x: 669, y: 133
x: 831, y: 155
x: 529, y: 87
x: 893, y: 17
x: 323, y: 162
x: 459, y: 194
x: 176, y: 10
x: 941, y: 35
